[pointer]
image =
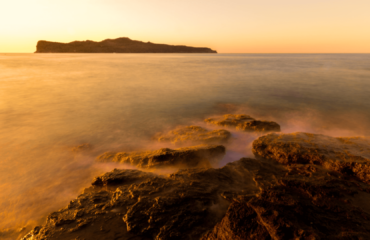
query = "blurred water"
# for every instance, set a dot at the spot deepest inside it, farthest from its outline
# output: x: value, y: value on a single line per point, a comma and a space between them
x: 50, y: 103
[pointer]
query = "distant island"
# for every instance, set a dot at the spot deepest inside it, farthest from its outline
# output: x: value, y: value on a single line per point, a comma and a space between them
x: 119, y: 45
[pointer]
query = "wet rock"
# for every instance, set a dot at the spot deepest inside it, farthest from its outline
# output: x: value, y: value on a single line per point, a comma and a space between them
x: 183, y: 205
x: 266, y: 198
x: 197, y: 156
x: 306, y: 201
x: 300, y: 208
x: 244, y: 123
x: 289, y: 213
x: 348, y: 156
x: 194, y: 134
x: 121, y: 177
x: 239, y: 223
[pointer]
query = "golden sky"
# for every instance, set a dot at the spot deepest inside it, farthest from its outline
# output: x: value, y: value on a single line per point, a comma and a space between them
x: 233, y: 26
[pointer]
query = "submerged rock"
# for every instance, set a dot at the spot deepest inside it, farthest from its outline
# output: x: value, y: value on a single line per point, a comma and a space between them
x: 194, y: 134
x: 82, y: 148
x: 196, y: 156
x: 348, y: 156
x: 244, y: 123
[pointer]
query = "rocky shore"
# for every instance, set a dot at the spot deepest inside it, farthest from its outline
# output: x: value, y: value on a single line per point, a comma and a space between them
x: 188, y: 157
x: 298, y: 186
x: 119, y: 45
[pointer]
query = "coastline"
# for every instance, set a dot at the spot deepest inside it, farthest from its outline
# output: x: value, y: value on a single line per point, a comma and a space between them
x: 293, y: 184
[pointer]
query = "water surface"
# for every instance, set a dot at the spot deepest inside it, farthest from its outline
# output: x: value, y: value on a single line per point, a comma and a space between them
x: 50, y: 103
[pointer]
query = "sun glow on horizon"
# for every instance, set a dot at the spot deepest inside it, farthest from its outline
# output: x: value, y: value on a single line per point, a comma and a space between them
x: 266, y: 26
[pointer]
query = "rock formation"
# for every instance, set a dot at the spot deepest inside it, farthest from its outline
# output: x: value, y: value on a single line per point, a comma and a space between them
x: 119, y: 45
x: 313, y: 196
x: 201, y: 155
x: 131, y: 204
x: 300, y: 186
x: 348, y: 156
x: 194, y: 135
x: 308, y: 203
x: 244, y: 123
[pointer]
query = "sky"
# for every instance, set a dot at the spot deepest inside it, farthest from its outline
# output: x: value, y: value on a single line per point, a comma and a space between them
x: 228, y: 26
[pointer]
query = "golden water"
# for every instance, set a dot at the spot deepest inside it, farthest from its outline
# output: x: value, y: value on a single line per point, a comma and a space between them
x: 50, y: 103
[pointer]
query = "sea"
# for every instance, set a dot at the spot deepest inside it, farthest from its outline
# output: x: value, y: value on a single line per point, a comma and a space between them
x: 58, y: 112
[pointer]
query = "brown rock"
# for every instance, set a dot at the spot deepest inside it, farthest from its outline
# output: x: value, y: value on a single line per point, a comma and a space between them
x: 239, y: 223
x: 197, y: 156
x: 194, y: 134
x: 295, y: 211
x: 349, y: 156
x: 306, y: 201
x: 275, y: 198
x: 120, y: 177
x: 244, y: 123
x: 183, y: 205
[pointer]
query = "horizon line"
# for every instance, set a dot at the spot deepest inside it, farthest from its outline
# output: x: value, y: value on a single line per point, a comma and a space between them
x: 201, y: 53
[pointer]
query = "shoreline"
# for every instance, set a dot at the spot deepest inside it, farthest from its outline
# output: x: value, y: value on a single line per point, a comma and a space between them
x: 261, y: 189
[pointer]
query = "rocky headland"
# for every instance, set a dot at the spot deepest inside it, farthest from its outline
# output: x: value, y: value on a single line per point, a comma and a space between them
x: 119, y: 45
x: 298, y: 186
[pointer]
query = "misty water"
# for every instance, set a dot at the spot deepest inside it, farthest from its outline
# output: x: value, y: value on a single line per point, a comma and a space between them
x: 51, y: 103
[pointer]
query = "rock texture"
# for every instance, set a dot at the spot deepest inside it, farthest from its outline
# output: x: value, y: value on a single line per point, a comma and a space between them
x: 196, y: 156
x: 244, y: 123
x: 119, y: 45
x: 306, y: 204
x: 194, y: 134
x: 310, y: 198
x: 288, y: 192
x: 131, y: 204
x: 348, y: 156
